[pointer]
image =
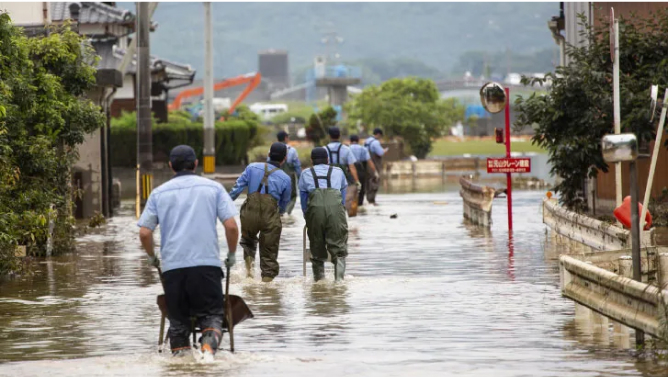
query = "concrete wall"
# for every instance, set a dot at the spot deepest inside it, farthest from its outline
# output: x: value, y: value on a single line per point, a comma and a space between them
x: 28, y: 13
x: 572, y: 27
x: 91, y: 165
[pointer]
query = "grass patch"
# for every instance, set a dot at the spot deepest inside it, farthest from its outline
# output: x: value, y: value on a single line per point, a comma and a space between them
x: 484, y: 147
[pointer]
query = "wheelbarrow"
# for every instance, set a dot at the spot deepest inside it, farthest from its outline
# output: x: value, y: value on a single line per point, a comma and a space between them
x: 236, y: 311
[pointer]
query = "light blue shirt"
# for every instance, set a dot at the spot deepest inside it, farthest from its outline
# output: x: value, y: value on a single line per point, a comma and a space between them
x: 345, y: 157
x: 186, y: 207
x: 307, y: 184
x: 279, y: 184
x: 292, y: 157
x: 373, y: 145
x: 360, y: 153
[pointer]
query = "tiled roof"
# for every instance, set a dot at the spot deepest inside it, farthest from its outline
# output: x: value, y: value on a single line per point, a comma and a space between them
x: 174, y: 71
x: 91, y: 13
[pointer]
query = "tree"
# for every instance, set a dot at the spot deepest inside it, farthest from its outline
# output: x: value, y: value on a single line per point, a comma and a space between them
x: 319, y: 124
x: 410, y: 108
x: 573, y: 117
x: 43, y: 117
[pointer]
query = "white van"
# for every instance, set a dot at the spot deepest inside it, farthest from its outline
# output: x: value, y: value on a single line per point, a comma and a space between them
x: 267, y: 111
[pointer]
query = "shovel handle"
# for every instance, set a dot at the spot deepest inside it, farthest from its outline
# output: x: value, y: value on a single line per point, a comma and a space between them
x: 230, y: 323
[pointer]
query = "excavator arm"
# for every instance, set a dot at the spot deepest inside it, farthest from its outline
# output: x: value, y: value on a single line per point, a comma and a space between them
x: 252, y: 79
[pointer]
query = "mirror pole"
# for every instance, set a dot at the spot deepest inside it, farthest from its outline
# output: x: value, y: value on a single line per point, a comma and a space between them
x: 635, y: 237
x: 509, y: 181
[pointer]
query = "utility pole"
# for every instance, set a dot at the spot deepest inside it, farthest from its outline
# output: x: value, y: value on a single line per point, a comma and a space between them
x: 209, y: 131
x: 144, y: 131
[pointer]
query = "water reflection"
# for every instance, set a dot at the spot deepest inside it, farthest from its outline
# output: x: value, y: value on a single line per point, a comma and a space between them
x: 327, y: 307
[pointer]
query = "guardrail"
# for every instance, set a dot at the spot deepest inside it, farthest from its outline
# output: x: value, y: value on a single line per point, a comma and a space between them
x: 477, y: 202
x: 587, y: 280
x: 589, y: 232
x: 424, y: 168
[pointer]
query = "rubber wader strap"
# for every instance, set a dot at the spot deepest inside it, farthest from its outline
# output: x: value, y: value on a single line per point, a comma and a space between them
x: 264, y: 183
x: 328, y: 177
x: 337, y: 153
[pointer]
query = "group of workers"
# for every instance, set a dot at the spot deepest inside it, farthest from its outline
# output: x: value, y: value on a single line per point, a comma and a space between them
x: 340, y: 175
x: 188, y: 206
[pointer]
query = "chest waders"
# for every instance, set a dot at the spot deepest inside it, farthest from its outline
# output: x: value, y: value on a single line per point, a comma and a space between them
x: 290, y: 170
x: 373, y: 184
x: 259, y: 214
x: 337, y: 162
x: 362, y: 173
x: 351, y: 193
x: 327, y: 228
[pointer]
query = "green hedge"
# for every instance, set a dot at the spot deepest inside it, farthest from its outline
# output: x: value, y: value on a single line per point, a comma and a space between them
x: 234, y: 138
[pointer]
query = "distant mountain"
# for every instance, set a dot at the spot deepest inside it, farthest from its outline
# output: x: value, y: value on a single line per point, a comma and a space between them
x: 437, y: 34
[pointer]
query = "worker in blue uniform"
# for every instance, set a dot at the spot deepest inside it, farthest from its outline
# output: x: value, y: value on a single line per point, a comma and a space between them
x: 366, y: 169
x: 339, y: 155
x: 187, y: 209
x: 292, y: 167
x: 268, y: 196
x: 376, y: 151
x: 321, y: 190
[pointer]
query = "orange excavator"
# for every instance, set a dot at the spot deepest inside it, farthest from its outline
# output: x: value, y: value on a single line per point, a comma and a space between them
x: 252, y: 79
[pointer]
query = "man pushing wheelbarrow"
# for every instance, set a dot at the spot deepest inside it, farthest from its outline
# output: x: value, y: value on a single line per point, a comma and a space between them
x: 187, y: 208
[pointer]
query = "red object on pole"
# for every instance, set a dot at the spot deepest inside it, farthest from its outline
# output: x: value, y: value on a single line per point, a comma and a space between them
x: 509, y: 181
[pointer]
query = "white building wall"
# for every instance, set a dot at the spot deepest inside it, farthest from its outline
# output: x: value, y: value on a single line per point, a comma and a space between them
x: 26, y: 13
x: 127, y: 90
x: 572, y: 27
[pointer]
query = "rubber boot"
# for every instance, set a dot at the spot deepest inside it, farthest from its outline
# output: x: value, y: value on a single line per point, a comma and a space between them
x: 339, y: 269
x: 267, y: 279
x: 318, y: 270
x: 209, y: 343
x: 250, y: 263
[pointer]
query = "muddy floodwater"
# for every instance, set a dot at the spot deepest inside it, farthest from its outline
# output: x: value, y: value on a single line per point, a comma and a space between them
x: 426, y: 295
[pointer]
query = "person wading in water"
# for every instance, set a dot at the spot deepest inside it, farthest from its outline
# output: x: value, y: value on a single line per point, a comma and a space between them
x: 268, y: 197
x: 322, y: 189
x: 187, y: 207
x: 372, y: 144
x: 340, y: 156
x: 292, y: 167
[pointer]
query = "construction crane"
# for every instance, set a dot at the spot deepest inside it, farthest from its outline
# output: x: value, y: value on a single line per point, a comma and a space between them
x: 252, y: 79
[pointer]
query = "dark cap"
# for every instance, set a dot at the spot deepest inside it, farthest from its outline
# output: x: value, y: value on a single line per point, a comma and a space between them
x: 334, y: 132
x: 278, y: 151
x: 354, y: 138
x: 182, y: 153
x: 378, y: 131
x: 319, y: 154
x: 281, y: 135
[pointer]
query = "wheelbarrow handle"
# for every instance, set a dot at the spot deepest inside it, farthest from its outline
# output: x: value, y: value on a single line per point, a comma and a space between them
x: 230, y: 322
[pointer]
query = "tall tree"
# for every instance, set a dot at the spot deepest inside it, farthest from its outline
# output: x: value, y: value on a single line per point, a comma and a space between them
x: 410, y: 108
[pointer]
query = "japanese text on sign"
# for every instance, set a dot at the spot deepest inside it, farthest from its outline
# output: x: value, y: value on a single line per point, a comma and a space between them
x: 508, y: 165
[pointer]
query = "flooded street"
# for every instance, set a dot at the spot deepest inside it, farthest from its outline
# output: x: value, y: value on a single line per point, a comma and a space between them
x: 425, y: 295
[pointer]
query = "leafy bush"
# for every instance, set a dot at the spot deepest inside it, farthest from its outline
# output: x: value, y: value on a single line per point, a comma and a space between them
x: 573, y: 117
x: 234, y: 137
x: 43, y: 117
